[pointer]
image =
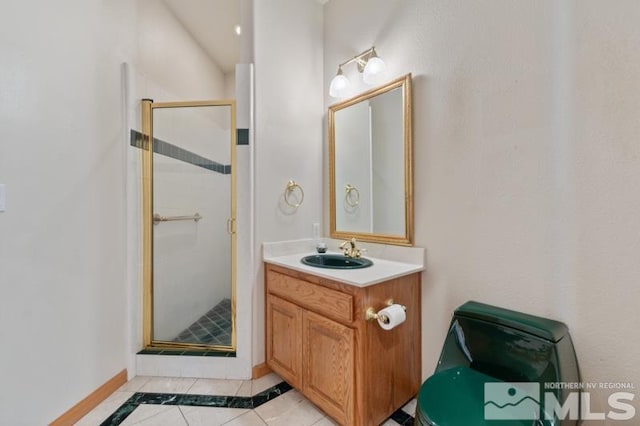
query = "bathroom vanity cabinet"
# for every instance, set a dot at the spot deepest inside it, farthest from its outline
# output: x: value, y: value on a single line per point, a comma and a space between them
x: 318, y: 340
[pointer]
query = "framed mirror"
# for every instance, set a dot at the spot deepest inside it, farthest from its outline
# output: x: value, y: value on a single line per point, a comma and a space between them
x: 370, y: 165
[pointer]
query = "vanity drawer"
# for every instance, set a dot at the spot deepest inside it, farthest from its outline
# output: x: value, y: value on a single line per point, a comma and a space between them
x: 332, y: 303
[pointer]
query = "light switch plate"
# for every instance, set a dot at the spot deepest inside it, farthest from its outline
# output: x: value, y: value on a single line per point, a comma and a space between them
x: 3, y: 197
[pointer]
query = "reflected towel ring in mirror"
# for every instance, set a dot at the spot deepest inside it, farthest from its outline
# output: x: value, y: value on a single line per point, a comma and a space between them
x: 352, y: 195
x: 290, y: 189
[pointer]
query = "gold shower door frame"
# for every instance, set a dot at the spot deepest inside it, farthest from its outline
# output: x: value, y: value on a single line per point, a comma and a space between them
x: 147, y: 223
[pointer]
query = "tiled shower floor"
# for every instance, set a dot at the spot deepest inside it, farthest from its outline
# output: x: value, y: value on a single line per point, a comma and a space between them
x: 213, y: 328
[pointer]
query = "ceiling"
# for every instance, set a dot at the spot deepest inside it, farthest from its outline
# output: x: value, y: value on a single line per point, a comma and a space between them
x: 211, y: 23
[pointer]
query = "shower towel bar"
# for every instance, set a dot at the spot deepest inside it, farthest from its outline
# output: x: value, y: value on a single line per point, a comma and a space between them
x: 157, y: 218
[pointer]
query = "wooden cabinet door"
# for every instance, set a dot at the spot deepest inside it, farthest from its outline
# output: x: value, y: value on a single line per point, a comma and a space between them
x: 328, y: 362
x: 284, y: 339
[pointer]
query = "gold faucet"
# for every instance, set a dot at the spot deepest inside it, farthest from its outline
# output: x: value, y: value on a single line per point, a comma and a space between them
x: 349, y: 248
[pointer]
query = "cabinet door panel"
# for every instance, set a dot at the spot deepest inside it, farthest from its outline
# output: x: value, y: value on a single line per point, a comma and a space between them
x: 284, y: 339
x: 328, y: 377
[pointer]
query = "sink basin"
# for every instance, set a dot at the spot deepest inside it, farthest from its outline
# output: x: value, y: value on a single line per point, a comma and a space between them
x: 335, y: 261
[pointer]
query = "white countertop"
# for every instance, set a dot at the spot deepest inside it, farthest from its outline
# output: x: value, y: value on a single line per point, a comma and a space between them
x: 381, y: 270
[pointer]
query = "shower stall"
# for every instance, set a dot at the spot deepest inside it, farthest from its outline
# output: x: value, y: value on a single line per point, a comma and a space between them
x: 189, y: 237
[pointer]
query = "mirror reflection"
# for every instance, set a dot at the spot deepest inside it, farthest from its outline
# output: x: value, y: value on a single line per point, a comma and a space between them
x: 370, y: 179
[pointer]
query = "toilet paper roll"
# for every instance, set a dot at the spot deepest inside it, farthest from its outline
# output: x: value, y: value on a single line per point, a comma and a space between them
x: 391, y: 316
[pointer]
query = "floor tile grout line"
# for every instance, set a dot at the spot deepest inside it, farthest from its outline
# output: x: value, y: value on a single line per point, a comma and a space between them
x: 153, y: 415
x: 243, y: 414
x: 229, y: 401
x: 175, y: 399
x: 323, y: 417
x: 192, y: 385
x: 259, y: 416
x: 137, y: 388
x: 183, y: 416
x: 402, y: 417
x: 235, y: 417
x: 125, y: 410
x: 240, y: 387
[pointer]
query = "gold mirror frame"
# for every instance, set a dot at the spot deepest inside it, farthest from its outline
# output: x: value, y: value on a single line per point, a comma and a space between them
x: 148, y: 341
x: 403, y: 82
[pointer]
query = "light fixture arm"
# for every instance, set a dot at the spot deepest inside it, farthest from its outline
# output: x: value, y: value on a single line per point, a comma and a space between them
x: 361, y: 59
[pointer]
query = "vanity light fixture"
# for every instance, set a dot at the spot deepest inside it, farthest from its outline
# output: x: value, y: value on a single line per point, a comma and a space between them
x: 369, y: 64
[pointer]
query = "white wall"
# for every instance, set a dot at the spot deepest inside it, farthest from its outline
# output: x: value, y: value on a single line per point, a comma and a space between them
x: 526, y: 158
x: 62, y: 238
x: 230, y: 85
x: 67, y: 300
x: 169, y: 56
x: 288, y: 133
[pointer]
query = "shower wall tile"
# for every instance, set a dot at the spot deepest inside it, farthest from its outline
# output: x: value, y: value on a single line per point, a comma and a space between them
x: 242, y: 137
x: 172, y: 151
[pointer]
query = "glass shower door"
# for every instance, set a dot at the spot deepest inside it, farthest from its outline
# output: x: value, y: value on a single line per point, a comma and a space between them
x: 192, y: 232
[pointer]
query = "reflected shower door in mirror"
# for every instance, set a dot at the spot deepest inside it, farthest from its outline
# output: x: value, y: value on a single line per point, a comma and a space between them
x: 192, y: 221
x: 370, y: 158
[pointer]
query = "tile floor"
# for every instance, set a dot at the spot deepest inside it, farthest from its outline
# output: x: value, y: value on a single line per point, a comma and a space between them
x: 213, y: 328
x: 283, y: 407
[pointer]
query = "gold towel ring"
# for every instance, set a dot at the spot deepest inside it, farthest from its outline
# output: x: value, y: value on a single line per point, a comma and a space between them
x: 349, y: 198
x: 291, y: 186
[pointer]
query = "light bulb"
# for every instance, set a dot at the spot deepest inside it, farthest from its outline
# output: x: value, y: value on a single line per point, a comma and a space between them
x: 375, y: 71
x: 340, y: 85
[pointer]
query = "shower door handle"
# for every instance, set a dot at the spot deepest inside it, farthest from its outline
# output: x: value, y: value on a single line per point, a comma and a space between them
x: 231, y: 225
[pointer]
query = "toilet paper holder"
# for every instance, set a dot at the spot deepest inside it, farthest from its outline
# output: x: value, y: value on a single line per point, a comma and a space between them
x: 371, y: 314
